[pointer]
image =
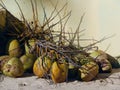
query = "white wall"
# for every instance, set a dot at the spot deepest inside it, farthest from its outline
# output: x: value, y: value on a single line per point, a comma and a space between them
x: 102, y: 18
x: 109, y: 23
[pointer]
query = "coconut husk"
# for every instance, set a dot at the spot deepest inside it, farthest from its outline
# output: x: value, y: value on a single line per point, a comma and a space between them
x: 10, y: 22
x: 13, y: 25
x: 10, y: 27
x: 2, y: 19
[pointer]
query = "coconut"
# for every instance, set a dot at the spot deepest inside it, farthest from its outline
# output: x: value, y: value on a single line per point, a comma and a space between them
x: 111, y: 59
x: 102, y: 59
x: 59, y: 72
x: 14, y: 49
x: 27, y: 61
x: 30, y: 44
x: 88, y: 71
x: 13, y: 68
x: 42, y: 66
x: 3, y: 60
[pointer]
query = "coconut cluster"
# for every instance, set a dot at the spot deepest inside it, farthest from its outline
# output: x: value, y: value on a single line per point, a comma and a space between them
x: 52, y: 64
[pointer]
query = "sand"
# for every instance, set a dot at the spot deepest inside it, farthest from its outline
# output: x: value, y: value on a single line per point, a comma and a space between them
x: 106, y: 81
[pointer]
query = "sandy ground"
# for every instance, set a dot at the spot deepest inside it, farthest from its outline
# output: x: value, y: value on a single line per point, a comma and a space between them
x: 30, y: 82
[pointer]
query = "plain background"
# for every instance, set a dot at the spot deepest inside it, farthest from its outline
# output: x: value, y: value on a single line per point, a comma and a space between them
x: 102, y: 18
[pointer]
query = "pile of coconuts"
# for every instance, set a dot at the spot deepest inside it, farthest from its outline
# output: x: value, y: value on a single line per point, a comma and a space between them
x: 52, y: 65
x: 15, y: 63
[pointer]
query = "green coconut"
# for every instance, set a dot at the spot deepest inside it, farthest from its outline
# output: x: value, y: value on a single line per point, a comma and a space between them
x: 14, y: 49
x: 29, y: 45
x: 27, y: 61
x: 13, y: 68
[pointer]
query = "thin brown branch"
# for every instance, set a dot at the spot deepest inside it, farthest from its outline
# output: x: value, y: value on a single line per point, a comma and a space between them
x: 33, y: 10
x: 77, y: 30
x: 21, y: 11
x: 45, y: 16
x: 53, y: 10
x: 91, y: 45
x: 59, y: 20
x: 2, y: 4
x: 51, y: 19
x: 36, y: 10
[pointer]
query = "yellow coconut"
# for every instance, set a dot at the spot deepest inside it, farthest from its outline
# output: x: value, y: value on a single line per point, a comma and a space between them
x: 59, y: 72
x: 88, y: 71
x: 42, y: 66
